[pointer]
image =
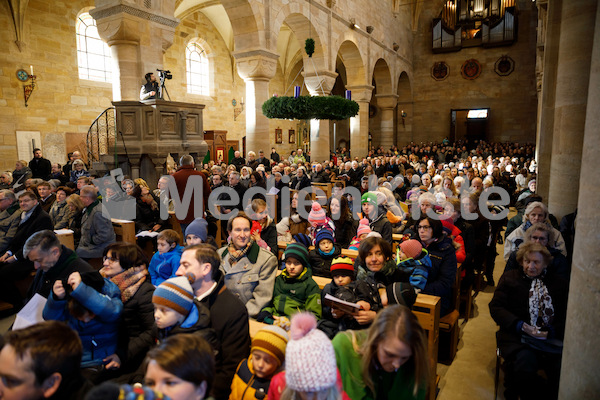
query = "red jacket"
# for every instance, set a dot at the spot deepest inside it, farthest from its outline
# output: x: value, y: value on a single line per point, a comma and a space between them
x: 181, y: 178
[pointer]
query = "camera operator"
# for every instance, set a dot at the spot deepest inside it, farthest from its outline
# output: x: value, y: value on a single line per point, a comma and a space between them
x: 150, y: 90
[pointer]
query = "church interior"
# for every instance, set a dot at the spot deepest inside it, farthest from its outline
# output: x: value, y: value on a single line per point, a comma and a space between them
x: 525, y: 71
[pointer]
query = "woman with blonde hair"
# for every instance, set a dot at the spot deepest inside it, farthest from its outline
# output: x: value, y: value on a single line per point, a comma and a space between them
x: 389, y: 360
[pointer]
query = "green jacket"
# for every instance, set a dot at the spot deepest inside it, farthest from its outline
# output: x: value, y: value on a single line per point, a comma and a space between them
x: 292, y: 295
x: 388, y: 385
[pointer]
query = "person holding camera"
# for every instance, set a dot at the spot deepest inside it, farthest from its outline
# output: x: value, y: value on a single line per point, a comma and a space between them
x: 150, y: 90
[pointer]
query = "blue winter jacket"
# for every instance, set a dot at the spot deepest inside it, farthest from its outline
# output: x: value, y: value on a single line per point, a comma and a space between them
x: 164, y: 266
x: 99, y: 336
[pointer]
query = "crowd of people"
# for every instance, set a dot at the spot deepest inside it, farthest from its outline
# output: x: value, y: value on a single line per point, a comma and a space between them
x: 178, y: 320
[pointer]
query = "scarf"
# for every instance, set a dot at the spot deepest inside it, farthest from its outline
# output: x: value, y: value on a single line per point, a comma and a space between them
x: 541, y: 310
x: 326, y: 254
x: 129, y: 281
x: 237, y: 255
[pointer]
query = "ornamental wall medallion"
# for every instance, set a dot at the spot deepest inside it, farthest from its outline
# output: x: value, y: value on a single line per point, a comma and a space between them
x: 440, y: 71
x: 504, y: 66
x: 471, y: 69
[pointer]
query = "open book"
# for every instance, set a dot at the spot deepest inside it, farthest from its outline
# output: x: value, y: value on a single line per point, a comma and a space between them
x: 342, y: 305
x: 147, y: 234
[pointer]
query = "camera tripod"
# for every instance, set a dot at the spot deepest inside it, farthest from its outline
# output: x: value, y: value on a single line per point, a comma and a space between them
x: 163, y: 88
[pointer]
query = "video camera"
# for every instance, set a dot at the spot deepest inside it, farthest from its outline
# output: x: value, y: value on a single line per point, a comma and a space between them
x: 164, y: 74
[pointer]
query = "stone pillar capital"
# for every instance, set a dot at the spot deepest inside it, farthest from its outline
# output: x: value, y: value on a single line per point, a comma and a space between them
x: 256, y: 64
x: 319, y: 83
x: 387, y: 101
x: 361, y: 93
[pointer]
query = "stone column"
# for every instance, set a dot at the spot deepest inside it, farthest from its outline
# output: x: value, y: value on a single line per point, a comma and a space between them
x: 359, y: 125
x: 256, y: 68
x: 319, y: 84
x: 387, y: 103
x: 547, y: 96
x: 579, y: 373
x: 572, y: 80
x: 138, y: 38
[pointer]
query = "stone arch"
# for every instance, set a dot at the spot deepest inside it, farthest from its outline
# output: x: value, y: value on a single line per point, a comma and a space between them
x: 349, y: 54
x: 404, y: 87
x: 405, y: 108
x: 303, y: 28
x: 382, y: 77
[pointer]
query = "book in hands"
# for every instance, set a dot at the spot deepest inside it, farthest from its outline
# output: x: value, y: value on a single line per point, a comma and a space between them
x: 341, y: 305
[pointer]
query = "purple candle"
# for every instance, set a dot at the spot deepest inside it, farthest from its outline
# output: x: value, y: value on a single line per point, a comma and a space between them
x: 296, y: 91
x: 348, y: 95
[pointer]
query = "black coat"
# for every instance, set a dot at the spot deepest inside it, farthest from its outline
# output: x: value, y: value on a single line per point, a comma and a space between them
x: 510, y: 305
x: 40, y: 168
x: 67, y: 263
x: 269, y: 235
x: 229, y: 319
x: 137, y: 331
x: 345, y: 231
x: 442, y: 275
x: 320, y: 264
x: 559, y: 265
x: 38, y: 221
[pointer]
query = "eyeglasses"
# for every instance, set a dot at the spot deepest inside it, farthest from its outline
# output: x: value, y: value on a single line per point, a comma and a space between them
x: 111, y: 259
x: 424, y: 227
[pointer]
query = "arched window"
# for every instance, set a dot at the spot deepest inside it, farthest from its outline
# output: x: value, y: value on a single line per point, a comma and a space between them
x: 93, y: 55
x: 197, y: 71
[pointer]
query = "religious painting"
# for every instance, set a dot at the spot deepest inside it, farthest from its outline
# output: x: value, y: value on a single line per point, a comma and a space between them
x: 220, y: 155
x: 292, y: 136
x: 440, y: 71
x: 471, y: 69
x: 504, y: 66
x: 278, y: 136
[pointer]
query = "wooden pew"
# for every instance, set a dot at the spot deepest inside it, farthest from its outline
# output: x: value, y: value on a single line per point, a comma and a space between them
x: 271, y: 200
x: 325, y: 187
x: 176, y: 226
x: 427, y: 311
x: 125, y: 230
x: 353, y: 254
x: 65, y: 236
x: 449, y: 322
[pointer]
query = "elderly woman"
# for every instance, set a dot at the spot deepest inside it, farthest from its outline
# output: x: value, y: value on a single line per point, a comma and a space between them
x: 6, y: 179
x: 245, y: 176
x: 442, y: 276
x: 78, y: 171
x: 60, y: 212
x: 536, y: 212
x: 20, y: 175
x: 541, y: 233
x: 530, y: 306
x: 301, y: 180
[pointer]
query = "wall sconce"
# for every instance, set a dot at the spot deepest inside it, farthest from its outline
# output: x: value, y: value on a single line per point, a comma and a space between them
x: 370, y: 29
x: 395, y: 46
x: 23, y: 76
x: 403, y: 115
x: 353, y: 24
x: 237, y: 111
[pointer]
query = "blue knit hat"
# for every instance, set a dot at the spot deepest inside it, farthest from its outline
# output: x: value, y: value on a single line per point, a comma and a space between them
x: 323, y: 234
x: 198, y: 227
x: 297, y: 251
x: 303, y: 238
x: 176, y: 294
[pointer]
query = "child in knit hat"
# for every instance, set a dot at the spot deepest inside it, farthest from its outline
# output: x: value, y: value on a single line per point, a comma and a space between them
x: 165, y: 261
x: 376, y: 214
x: 318, y: 219
x: 344, y: 286
x: 361, y: 233
x: 177, y: 311
x: 413, y: 259
x: 310, y: 365
x: 253, y: 374
x: 295, y: 289
x: 324, y: 252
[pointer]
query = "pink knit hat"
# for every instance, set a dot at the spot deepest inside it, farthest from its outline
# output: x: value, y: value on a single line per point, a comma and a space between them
x: 310, y: 359
x: 317, y: 216
x: 363, y: 227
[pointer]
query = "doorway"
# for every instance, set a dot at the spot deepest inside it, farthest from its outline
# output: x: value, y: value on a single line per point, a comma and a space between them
x: 471, y: 124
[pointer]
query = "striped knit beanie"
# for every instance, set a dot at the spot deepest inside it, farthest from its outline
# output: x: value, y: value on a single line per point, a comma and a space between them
x: 272, y: 340
x: 317, y: 214
x: 342, y: 266
x: 297, y: 251
x: 302, y: 238
x: 176, y: 293
x: 310, y: 359
x: 322, y: 234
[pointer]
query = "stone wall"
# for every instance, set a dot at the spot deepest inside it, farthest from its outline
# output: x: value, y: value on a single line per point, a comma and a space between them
x: 512, y: 99
x: 62, y: 106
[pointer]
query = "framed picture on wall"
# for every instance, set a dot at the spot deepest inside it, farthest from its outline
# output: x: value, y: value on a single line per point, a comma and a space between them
x: 278, y: 136
x: 292, y: 134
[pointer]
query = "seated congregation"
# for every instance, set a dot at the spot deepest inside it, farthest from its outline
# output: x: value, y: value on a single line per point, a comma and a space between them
x: 262, y: 298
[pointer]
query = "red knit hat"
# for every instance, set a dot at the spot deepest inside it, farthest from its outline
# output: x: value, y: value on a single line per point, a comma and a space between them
x: 412, y: 248
x: 363, y: 227
x: 317, y: 215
